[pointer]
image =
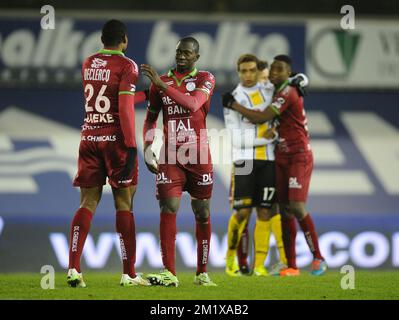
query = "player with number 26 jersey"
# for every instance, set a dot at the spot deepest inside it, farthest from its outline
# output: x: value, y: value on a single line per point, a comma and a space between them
x: 108, y: 78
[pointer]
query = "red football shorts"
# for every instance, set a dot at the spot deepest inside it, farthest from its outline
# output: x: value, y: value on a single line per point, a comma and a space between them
x: 173, y: 179
x: 293, y: 173
x: 102, y: 155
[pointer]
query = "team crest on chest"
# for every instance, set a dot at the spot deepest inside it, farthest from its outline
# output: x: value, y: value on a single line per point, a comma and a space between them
x: 190, y: 86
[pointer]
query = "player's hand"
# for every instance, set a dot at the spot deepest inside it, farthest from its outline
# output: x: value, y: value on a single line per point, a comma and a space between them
x: 300, y: 81
x: 150, y: 159
x: 150, y: 72
x: 126, y: 174
x: 271, y: 134
x: 228, y: 100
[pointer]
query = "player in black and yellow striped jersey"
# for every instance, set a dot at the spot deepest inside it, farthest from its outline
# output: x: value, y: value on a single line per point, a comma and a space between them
x: 253, y: 178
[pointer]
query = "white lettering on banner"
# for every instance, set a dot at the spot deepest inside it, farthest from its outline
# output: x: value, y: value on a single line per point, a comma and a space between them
x: 63, y: 47
x: 95, y: 257
x: 218, y: 249
x: 59, y: 242
x: 17, y: 48
x: 333, y: 245
x: 186, y: 245
x: 219, y: 52
x: 350, y: 250
x: 147, y: 248
x: 379, y: 253
x: 66, y: 46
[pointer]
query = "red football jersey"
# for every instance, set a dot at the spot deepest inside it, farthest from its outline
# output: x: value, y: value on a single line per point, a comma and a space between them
x: 293, y: 130
x: 181, y: 126
x: 106, y: 75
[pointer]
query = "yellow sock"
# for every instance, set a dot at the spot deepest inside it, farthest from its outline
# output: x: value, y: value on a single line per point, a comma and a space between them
x: 278, y: 235
x: 234, y: 232
x: 261, y: 239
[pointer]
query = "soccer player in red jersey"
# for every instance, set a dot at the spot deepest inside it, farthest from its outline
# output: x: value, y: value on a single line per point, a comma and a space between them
x: 183, y: 95
x: 294, y: 162
x: 107, y: 149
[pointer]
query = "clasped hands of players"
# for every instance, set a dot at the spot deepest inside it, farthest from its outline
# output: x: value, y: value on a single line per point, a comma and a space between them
x: 271, y: 134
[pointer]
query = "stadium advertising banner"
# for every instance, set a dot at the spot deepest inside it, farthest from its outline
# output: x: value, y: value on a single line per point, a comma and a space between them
x: 48, y: 240
x: 364, y: 57
x: 355, y: 183
x: 44, y: 56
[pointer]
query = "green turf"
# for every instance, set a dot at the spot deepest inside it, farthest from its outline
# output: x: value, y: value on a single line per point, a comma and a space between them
x: 368, y: 285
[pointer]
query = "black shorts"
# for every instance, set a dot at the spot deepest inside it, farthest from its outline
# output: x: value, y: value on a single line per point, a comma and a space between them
x: 256, y: 189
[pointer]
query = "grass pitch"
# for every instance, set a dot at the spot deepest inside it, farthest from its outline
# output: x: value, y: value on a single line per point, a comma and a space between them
x: 368, y: 285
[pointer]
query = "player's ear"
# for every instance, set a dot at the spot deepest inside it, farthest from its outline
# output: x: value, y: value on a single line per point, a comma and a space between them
x: 289, y: 69
x: 197, y: 57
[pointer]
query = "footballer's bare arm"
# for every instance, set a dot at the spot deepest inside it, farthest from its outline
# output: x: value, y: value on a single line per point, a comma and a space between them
x: 252, y: 115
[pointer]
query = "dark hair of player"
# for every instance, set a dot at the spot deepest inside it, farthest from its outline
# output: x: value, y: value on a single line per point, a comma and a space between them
x: 193, y: 41
x: 113, y: 33
x: 262, y: 65
x: 283, y: 58
x: 247, y: 57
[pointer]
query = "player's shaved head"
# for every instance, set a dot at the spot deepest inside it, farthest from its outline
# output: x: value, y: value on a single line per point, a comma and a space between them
x: 114, y: 32
x: 192, y: 40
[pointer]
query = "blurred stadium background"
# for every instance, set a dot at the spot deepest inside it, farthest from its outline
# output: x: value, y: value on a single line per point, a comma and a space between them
x: 352, y: 108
